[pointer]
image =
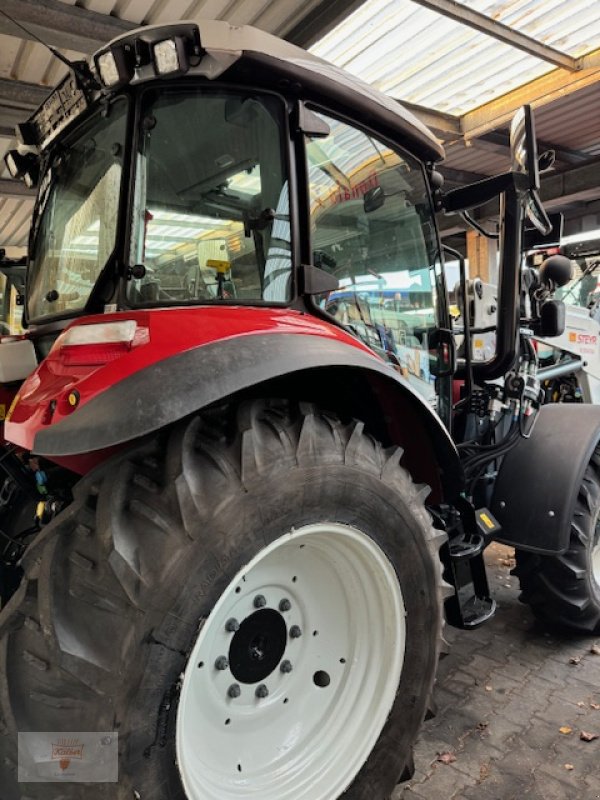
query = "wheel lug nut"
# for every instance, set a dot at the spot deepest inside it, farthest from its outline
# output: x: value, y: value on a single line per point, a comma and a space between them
x: 295, y: 632
x: 262, y: 691
x: 232, y: 625
x: 234, y: 690
x: 221, y: 663
x: 286, y: 666
x: 285, y: 605
x: 260, y: 601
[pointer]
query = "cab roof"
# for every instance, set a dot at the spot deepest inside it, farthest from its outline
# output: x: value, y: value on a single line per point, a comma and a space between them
x: 314, y: 78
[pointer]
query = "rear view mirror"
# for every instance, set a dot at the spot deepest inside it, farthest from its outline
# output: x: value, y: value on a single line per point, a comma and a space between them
x: 533, y: 238
x: 523, y: 148
x: 525, y: 167
x: 373, y: 199
x: 552, y: 319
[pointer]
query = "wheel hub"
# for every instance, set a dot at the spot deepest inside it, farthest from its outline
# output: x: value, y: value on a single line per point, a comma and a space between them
x: 258, y: 646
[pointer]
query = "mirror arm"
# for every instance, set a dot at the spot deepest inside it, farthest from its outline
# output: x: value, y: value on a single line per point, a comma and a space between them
x: 511, y: 215
x: 464, y: 366
x: 476, y: 194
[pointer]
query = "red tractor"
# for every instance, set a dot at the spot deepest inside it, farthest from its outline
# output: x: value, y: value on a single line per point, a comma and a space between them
x: 239, y: 493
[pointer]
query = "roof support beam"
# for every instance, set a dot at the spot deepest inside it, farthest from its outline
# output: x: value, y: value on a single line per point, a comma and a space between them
x: 446, y: 126
x: 474, y: 19
x: 61, y: 25
x: 9, y: 117
x: 21, y: 94
x: 539, y: 92
x: 17, y: 100
x: 14, y: 189
x: 581, y: 182
x: 500, y: 142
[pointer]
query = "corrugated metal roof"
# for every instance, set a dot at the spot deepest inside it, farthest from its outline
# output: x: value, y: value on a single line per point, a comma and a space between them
x: 573, y: 121
x: 417, y: 55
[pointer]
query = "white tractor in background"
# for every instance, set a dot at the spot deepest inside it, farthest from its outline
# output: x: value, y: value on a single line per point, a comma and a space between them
x: 570, y: 363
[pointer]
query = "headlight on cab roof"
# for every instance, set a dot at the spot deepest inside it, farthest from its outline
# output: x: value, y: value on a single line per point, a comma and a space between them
x: 115, y: 66
x: 170, y: 57
x: 107, y: 68
x: 12, y: 160
x: 22, y: 166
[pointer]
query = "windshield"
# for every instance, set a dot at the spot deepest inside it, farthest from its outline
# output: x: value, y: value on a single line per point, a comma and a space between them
x: 211, y: 214
x: 78, y: 211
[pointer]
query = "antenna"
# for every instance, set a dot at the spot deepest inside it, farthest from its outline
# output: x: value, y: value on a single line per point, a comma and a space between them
x: 79, y: 68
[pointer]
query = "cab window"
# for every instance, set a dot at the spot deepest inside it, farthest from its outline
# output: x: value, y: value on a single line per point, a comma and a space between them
x: 372, y: 228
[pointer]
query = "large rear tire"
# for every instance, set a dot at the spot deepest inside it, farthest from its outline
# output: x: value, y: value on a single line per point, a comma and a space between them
x: 201, y: 562
x: 564, y: 590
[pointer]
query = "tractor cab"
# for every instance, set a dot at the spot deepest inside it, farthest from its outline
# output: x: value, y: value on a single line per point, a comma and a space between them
x: 179, y: 171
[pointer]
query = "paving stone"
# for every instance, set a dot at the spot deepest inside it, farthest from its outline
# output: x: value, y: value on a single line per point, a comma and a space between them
x: 592, y: 782
x: 572, y: 782
x: 559, y: 713
x: 584, y: 756
x: 581, y: 692
x: 554, y: 671
x: 475, y: 754
x: 445, y: 696
x: 462, y: 677
x: 443, y: 782
x: 589, y: 669
x: 498, y: 786
x: 521, y: 706
x: 513, y: 668
x: 500, y: 730
x: 480, y: 666
x: 545, y: 787
x: 407, y: 792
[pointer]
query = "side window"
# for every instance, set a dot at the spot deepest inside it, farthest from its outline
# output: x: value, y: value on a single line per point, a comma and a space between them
x: 372, y: 227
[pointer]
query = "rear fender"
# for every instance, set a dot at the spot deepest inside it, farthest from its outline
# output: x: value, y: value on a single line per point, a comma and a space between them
x: 539, y: 480
x: 340, y: 376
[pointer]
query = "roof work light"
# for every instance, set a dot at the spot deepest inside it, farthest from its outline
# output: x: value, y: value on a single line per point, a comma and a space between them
x: 115, y: 66
x: 20, y: 166
x: 170, y: 57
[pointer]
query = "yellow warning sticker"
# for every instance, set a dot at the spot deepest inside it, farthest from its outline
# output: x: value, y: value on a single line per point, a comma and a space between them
x: 2, y: 412
x: 487, y: 521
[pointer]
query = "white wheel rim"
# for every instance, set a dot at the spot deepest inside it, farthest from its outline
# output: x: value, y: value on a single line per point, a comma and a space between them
x: 596, y: 560
x: 303, y: 741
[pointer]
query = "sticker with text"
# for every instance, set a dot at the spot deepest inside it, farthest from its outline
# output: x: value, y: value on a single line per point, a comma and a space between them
x: 68, y: 757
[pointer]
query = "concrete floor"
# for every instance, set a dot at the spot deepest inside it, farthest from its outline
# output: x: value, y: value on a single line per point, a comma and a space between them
x: 503, y: 694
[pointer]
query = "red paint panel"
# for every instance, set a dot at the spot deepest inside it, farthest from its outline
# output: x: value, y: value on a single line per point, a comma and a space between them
x: 43, y: 397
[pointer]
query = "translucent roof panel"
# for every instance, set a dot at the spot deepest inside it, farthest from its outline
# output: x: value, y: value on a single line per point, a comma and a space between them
x: 571, y: 26
x: 422, y: 57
